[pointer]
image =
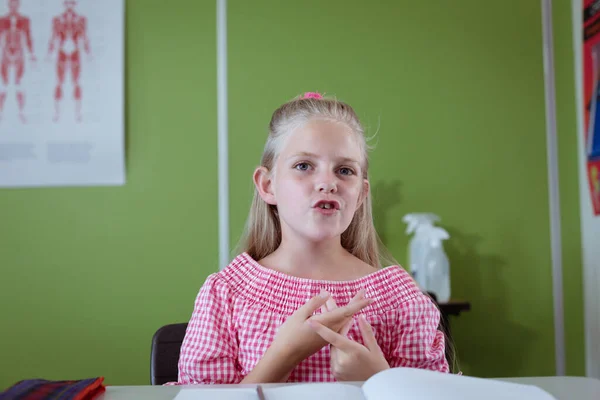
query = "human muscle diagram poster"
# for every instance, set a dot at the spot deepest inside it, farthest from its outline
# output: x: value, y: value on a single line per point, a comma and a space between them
x: 61, y: 93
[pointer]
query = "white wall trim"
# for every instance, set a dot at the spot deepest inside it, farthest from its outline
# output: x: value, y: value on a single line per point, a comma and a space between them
x: 553, y: 187
x: 222, y: 126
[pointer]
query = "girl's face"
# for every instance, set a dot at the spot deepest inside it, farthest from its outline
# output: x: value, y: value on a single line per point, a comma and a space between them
x: 317, y: 183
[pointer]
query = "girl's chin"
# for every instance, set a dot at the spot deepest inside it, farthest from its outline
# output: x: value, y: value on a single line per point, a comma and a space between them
x: 317, y: 231
x: 323, y: 235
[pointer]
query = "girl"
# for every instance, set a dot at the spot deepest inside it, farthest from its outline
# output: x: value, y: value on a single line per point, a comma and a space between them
x: 308, y: 299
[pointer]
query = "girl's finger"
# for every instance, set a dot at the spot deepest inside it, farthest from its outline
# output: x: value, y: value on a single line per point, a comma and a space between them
x: 348, y: 310
x: 335, y: 339
x: 346, y: 328
x: 367, y: 334
x: 331, y: 304
x: 359, y: 295
x: 313, y: 304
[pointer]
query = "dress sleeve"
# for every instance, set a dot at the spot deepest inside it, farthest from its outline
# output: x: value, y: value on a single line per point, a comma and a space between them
x: 417, y: 342
x: 209, y: 350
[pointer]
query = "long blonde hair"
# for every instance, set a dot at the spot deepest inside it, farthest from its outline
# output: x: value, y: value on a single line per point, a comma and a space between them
x: 262, y: 234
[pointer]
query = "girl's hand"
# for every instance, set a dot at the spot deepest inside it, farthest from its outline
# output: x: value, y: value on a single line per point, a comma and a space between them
x: 351, y: 361
x: 330, y: 305
x: 295, y: 340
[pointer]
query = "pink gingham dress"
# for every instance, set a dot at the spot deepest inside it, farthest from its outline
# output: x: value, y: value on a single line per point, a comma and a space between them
x: 238, y: 310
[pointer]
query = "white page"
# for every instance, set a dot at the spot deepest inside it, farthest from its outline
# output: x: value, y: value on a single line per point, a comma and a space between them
x: 314, y: 391
x: 200, y: 393
x: 410, y: 383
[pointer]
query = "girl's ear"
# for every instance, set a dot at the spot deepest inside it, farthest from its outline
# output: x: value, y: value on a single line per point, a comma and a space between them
x: 364, y: 193
x: 264, y: 185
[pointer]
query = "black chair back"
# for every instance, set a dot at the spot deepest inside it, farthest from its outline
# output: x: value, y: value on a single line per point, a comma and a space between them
x: 164, y: 355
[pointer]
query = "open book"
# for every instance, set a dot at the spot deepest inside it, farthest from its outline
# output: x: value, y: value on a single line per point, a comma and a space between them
x: 391, y: 384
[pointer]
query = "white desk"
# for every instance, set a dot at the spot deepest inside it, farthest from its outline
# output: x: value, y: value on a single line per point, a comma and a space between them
x: 563, y: 388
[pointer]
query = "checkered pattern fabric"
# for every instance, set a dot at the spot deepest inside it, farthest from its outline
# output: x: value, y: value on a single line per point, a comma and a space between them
x: 42, y: 389
x: 238, y: 310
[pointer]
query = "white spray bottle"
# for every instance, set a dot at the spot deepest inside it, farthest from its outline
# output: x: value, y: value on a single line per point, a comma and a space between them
x: 419, y: 244
x: 436, y: 266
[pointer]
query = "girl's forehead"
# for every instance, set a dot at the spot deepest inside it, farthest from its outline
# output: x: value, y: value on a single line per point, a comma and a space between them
x: 324, y: 137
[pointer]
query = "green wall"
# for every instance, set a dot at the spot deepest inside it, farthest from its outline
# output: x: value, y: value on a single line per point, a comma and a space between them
x: 455, y: 95
x: 88, y: 274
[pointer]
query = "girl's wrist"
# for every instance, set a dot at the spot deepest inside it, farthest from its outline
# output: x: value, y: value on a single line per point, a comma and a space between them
x: 381, y: 367
x: 281, y: 359
x: 273, y: 367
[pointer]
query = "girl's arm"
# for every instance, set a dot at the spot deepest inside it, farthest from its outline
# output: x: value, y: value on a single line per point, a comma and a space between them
x: 209, y: 349
x: 296, y: 340
x: 418, y: 342
x: 272, y: 368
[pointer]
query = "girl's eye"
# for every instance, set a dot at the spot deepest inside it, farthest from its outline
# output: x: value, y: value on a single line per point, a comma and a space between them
x: 302, y: 166
x: 346, y: 171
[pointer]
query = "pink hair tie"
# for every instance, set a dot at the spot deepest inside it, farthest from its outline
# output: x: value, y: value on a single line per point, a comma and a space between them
x: 312, y: 95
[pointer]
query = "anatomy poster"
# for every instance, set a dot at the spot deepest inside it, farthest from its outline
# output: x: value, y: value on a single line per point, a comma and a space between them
x: 591, y: 87
x: 61, y: 93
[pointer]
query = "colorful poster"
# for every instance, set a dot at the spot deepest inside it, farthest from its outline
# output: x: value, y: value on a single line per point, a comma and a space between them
x: 61, y: 93
x: 591, y: 92
x: 587, y: 62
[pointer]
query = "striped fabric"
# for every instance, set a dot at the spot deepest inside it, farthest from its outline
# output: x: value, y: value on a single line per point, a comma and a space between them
x: 41, y: 389
x: 238, y: 310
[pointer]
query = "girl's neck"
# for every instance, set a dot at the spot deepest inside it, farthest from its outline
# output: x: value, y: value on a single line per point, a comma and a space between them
x: 320, y: 261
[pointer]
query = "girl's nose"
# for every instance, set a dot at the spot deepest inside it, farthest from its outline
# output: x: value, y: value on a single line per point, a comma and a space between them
x: 326, y: 187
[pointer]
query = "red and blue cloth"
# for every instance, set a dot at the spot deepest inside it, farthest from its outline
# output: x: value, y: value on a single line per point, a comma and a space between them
x: 41, y: 389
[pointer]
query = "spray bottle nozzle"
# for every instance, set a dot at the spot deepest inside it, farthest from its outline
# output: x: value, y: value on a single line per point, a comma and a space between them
x: 415, y: 220
x: 435, y: 235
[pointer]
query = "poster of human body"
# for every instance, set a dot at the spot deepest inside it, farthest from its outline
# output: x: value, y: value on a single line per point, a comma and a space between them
x: 591, y: 92
x: 61, y: 93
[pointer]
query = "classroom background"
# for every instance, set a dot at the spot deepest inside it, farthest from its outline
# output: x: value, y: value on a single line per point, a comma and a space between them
x: 454, y: 92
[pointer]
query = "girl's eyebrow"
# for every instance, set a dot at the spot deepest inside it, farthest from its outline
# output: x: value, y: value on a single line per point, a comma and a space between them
x: 312, y: 155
